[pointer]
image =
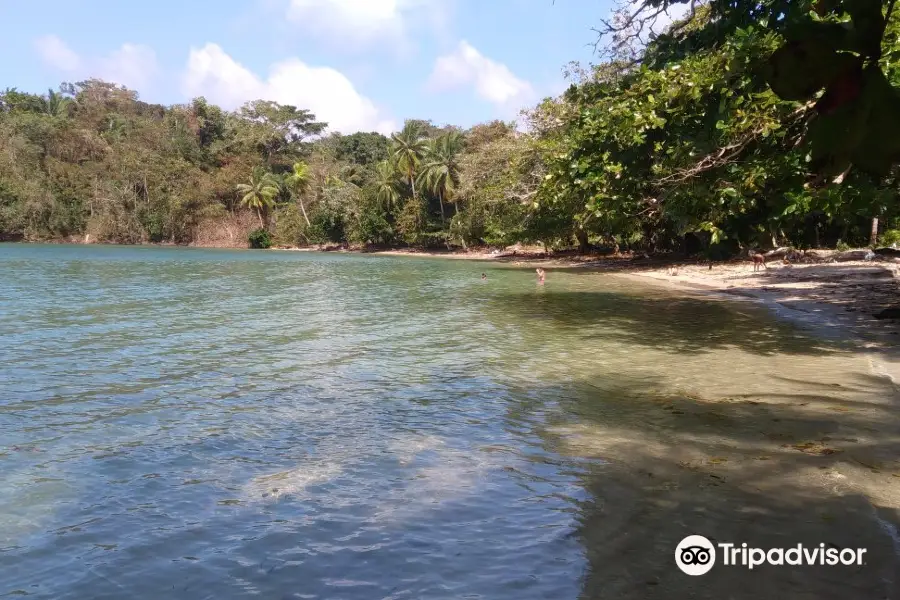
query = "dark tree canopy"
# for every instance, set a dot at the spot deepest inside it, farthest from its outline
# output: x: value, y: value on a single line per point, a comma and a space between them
x: 831, y: 53
x: 364, y: 149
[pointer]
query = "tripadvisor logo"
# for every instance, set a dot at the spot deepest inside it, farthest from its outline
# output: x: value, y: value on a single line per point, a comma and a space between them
x: 696, y: 555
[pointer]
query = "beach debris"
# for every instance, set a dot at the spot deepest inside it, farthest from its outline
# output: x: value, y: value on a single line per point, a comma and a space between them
x: 814, y: 448
x: 851, y: 255
x: 888, y: 313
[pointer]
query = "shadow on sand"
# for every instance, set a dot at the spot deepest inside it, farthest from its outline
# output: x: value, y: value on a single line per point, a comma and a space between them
x: 673, y: 323
x: 813, y: 467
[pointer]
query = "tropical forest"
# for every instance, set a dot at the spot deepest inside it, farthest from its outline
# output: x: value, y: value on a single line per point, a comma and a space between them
x: 740, y: 124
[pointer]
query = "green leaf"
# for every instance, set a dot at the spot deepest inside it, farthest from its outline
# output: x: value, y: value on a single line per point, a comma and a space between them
x: 730, y: 192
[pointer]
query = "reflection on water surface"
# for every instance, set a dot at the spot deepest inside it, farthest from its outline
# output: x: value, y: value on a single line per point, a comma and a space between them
x: 216, y: 424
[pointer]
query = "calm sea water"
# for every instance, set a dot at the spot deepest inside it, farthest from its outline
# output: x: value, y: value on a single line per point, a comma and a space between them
x: 180, y: 423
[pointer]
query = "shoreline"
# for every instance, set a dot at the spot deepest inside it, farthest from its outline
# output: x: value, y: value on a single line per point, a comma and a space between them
x: 844, y: 295
x: 810, y: 459
x: 834, y: 298
x: 831, y: 299
x: 819, y: 294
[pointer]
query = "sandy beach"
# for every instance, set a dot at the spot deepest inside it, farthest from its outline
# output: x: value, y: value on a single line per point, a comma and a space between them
x: 813, y: 460
x: 819, y: 292
x: 817, y: 466
x: 842, y: 299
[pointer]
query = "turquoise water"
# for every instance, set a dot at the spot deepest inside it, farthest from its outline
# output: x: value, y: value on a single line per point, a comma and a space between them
x: 187, y: 423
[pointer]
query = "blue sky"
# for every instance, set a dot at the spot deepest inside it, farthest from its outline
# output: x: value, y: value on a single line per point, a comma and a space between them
x: 359, y: 64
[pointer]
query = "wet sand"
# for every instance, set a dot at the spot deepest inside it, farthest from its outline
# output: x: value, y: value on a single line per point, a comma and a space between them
x: 772, y: 460
x: 844, y: 296
x: 772, y: 463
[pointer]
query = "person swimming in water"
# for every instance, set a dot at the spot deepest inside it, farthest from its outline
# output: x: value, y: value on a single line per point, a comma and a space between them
x: 541, y: 275
x: 483, y: 276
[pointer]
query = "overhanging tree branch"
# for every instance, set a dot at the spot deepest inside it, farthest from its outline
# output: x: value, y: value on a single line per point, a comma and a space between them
x: 628, y: 26
x: 728, y: 153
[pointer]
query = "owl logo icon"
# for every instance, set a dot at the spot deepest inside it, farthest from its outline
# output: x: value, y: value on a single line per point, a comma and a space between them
x: 695, y: 555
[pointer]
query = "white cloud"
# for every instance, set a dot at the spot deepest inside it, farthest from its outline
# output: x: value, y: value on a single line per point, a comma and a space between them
x: 353, y: 24
x: 57, y: 54
x: 492, y: 81
x: 212, y: 73
x: 131, y: 65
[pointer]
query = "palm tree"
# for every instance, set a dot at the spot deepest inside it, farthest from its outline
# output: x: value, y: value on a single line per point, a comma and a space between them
x: 259, y: 193
x: 440, y: 171
x: 407, y: 148
x: 386, y: 185
x: 299, y: 183
x: 57, y: 105
x: 351, y: 174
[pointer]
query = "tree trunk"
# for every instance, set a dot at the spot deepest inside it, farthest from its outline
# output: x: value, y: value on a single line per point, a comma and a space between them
x: 462, y: 237
x: 441, y: 200
x: 259, y: 215
x: 412, y: 185
x: 873, y: 238
x: 303, y: 210
x: 582, y: 237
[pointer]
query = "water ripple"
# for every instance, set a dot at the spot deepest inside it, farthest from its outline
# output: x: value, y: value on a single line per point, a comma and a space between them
x: 200, y: 424
x: 211, y: 424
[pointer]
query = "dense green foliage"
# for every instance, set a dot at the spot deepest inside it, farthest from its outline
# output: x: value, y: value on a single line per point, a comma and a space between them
x: 687, y: 138
x: 260, y: 239
x: 744, y: 124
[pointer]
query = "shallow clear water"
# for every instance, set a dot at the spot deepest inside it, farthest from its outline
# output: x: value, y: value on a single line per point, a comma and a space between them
x: 216, y: 424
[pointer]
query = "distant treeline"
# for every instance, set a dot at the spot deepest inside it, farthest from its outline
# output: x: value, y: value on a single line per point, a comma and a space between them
x: 680, y: 146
